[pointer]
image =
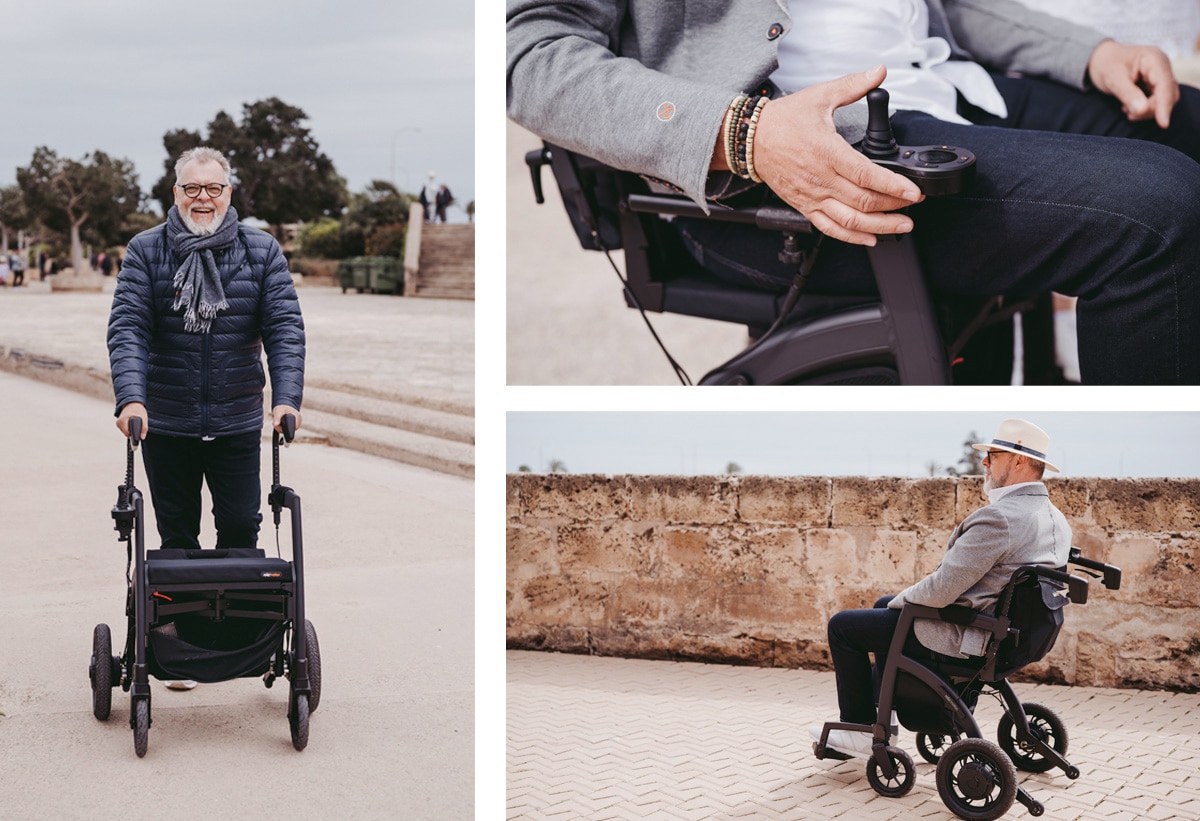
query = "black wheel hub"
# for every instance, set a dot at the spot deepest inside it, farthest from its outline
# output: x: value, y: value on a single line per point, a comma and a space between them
x: 975, y: 780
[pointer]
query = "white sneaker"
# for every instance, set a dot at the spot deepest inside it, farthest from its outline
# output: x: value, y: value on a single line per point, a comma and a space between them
x: 846, y: 742
x: 186, y: 684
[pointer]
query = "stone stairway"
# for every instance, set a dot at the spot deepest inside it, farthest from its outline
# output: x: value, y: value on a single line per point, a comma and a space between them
x: 446, y: 262
x: 439, y: 436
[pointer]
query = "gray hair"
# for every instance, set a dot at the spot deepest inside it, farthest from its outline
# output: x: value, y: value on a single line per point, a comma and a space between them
x: 203, y: 154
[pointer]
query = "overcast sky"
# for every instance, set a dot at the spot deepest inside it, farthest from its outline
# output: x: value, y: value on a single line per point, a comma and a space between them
x: 372, y: 76
x: 833, y: 444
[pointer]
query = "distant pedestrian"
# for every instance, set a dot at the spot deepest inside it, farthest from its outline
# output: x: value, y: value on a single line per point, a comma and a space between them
x: 106, y: 264
x: 4, y: 270
x: 427, y: 197
x: 444, y: 198
x: 17, y: 263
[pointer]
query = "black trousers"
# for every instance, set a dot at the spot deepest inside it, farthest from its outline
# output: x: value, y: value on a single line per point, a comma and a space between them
x: 175, y: 468
x: 1070, y: 197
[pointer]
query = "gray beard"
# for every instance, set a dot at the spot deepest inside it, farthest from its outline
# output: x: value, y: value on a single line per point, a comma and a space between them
x: 196, y: 228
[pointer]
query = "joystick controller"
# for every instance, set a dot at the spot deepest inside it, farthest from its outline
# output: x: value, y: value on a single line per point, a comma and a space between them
x: 936, y: 169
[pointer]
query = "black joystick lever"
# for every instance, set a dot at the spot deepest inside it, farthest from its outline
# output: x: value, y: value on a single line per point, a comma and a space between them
x: 936, y: 169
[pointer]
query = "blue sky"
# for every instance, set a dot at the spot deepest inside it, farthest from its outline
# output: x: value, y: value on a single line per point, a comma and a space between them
x: 876, y: 443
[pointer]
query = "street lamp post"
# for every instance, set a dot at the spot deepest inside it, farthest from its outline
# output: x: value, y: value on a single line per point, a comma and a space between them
x: 394, y: 136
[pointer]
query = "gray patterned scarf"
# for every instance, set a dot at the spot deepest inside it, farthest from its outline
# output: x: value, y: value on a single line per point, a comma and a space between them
x: 198, y: 282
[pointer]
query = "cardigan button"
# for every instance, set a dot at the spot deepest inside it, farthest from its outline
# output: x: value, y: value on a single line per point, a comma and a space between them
x: 774, y: 31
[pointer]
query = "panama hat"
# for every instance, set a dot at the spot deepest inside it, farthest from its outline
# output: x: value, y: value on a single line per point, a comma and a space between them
x: 1019, y: 436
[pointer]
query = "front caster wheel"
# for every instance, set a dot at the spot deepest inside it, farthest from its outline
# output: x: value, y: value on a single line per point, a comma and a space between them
x: 900, y: 783
x: 100, y: 672
x: 141, y: 726
x: 298, y: 720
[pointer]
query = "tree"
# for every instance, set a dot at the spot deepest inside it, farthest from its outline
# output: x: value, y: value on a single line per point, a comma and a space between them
x: 279, y: 172
x: 523, y: 469
x: 91, y: 198
x: 557, y: 466
x: 971, y: 462
x: 732, y: 468
x: 13, y: 214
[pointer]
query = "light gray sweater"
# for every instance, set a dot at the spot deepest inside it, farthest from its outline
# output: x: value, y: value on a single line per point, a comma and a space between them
x: 593, y: 75
x: 1021, y: 528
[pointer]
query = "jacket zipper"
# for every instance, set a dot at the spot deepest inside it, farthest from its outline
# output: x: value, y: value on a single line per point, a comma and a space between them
x: 204, y: 399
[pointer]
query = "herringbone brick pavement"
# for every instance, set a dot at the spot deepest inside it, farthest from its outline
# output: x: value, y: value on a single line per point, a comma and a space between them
x: 606, y: 738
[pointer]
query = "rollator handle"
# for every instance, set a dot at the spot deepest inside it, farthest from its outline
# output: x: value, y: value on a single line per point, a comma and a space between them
x: 288, y: 423
x: 135, y: 431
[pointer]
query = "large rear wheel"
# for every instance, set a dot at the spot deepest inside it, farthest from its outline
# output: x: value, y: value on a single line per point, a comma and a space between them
x: 976, y: 779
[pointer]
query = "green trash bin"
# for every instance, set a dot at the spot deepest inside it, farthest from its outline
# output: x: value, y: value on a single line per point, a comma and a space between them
x: 353, y: 273
x: 386, y: 275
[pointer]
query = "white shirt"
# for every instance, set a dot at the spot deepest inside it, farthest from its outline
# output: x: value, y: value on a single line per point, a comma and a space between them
x: 830, y: 39
x: 998, y: 493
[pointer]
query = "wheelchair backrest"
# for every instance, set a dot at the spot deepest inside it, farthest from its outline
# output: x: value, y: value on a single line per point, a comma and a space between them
x: 1034, y: 605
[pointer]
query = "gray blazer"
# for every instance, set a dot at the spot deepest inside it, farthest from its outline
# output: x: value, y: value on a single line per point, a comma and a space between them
x: 1021, y: 528
x: 592, y: 75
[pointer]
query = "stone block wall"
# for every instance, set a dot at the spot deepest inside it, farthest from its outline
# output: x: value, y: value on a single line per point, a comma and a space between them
x: 748, y: 570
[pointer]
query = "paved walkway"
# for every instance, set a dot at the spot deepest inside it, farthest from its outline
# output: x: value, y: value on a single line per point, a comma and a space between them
x: 420, y: 350
x: 605, y: 738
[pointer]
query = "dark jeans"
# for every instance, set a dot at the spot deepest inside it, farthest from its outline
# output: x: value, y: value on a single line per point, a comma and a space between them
x: 1070, y: 197
x: 853, y: 635
x: 175, y: 468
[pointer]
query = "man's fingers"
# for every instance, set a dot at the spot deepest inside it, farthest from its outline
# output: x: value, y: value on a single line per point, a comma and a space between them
x: 851, y: 87
x: 891, y: 190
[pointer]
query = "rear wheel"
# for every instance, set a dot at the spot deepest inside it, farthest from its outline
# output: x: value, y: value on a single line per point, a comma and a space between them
x: 141, y: 726
x: 932, y: 745
x: 314, y: 665
x: 100, y: 672
x: 1045, y: 726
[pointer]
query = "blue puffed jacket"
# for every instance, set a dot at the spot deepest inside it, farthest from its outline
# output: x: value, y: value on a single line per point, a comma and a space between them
x: 206, y: 384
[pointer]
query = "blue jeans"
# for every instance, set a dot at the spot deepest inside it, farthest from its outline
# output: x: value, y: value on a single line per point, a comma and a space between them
x: 1069, y: 197
x: 175, y: 468
x: 853, y: 636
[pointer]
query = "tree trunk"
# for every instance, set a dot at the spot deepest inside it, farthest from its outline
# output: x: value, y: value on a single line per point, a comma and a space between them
x: 76, y: 248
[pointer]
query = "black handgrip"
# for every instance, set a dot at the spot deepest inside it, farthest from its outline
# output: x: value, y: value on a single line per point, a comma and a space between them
x: 288, y: 423
x: 535, y: 160
x: 135, y: 431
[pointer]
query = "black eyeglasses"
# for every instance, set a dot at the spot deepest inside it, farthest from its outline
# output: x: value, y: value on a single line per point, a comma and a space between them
x: 193, y: 189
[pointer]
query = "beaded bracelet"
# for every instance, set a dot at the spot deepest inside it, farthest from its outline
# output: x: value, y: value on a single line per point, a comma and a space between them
x: 758, y: 107
x: 739, y: 135
x: 731, y: 124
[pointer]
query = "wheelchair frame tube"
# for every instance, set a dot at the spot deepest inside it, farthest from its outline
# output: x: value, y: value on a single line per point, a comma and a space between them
x: 140, y: 680
x: 920, y: 352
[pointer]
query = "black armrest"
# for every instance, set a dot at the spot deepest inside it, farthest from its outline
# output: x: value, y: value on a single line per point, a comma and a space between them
x: 957, y: 614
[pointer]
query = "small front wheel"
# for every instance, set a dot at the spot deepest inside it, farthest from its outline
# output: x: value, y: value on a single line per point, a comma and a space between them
x: 100, y: 672
x: 298, y: 720
x: 141, y: 726
x: 898, y: 784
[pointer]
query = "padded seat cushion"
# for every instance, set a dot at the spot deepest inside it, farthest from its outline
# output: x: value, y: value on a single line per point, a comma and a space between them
x: 215, y: 567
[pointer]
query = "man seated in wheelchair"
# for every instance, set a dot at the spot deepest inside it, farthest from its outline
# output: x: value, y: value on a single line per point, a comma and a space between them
x: 1018, y: 527
x: 1084, y: 146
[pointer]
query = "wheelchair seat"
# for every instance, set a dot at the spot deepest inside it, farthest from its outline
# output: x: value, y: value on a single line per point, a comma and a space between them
x: 233, y: 565
x: 902, y: 335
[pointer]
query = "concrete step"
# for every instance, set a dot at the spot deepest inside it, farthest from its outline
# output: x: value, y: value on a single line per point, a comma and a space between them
x: 446, y: 456
x: 390, y: 413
